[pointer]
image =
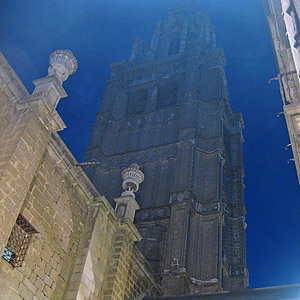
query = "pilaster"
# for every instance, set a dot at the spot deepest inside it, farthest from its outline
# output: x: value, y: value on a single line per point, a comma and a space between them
x: 97, y: 238
x: 118, y: 264
x: 175, y: 279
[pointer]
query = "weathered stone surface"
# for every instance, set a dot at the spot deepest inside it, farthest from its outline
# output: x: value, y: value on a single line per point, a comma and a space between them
x: 167, y: 109
x: 76, y: 228
x: 283, y: 21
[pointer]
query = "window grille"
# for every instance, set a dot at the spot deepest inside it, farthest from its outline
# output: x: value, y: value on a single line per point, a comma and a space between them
x: 18, y: 242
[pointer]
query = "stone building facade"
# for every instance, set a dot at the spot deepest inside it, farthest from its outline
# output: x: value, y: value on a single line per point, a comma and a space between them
x: 167, y: 109
x: 283, y: 17
x: 165, y: 133
x: 59, y: 238
x: 284, y: 292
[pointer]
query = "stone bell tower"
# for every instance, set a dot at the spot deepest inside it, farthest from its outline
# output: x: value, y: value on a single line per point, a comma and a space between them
x: 167, y: 109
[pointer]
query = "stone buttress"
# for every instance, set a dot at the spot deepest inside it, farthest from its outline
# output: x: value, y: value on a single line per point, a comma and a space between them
x: 59, y: 238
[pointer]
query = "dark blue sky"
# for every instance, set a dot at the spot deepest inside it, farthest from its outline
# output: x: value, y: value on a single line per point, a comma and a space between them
x: 101, y: 32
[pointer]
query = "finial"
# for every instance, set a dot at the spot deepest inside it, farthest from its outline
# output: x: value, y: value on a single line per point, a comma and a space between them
x: 132, y: 177
x: 136, y: 50
x: 62, y: 63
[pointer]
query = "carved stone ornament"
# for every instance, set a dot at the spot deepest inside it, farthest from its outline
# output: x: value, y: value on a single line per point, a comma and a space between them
x: 132, y: 177
x: 62, y: 63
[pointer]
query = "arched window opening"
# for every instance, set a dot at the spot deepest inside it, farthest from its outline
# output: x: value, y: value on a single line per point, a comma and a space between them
x: 174, y: 45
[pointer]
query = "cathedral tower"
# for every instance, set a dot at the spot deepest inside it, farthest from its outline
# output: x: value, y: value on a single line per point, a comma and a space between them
x: 167, y: 109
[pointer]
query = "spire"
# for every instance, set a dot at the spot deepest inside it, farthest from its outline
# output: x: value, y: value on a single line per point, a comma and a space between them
x: 136, y: 50
x: 186, y: 28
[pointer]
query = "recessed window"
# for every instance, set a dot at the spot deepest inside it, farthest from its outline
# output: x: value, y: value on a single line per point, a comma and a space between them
x: 174, y: 45
x: 18, y: 242
x: 137, y: 101
x: 167, y: 94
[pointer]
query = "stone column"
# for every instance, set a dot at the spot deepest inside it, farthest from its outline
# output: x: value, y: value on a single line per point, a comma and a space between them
x: 87, y: 277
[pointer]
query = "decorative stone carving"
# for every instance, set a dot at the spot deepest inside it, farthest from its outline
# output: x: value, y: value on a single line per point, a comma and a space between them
x: 126, y: 204
x: 62, y: 63
x: 49, y: 90
x: 141, y: 157
x: 132, y: 177
x: 177, y: 117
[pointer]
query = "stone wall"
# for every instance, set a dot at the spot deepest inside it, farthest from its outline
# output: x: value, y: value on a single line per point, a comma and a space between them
x: 57, y: 209
x: 77, y: 230
x: 283, y: 20
x: 167, y: 109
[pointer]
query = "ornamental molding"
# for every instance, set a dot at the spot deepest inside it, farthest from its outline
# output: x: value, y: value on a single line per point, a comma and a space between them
x: 141, y: 157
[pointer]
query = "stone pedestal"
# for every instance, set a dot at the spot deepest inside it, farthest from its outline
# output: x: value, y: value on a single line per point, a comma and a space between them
x: 126, y: 207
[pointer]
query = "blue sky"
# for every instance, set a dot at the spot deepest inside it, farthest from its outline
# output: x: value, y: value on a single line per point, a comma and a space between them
x: 101, y: 32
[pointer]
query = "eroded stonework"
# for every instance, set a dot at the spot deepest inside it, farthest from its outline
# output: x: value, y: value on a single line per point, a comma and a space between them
x: 80, y: 248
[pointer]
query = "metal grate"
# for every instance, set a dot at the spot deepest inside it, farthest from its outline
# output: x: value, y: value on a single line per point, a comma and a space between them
x: 18, y: 242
